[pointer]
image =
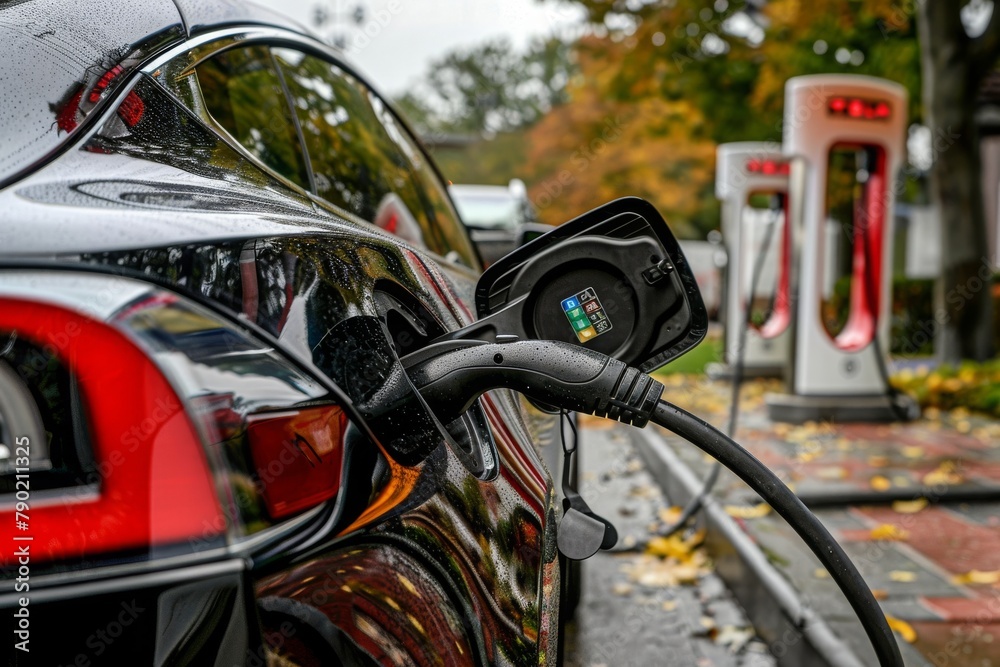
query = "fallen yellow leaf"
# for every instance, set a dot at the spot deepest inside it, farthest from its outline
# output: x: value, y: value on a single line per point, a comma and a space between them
x: 670, y: 515
x: 752, y: 512
x: 880, y: 594
x: 952, y: 385
x: 675, y: 546
x: 821, y: 573
x: 832, y: 472
x: 669, y: 605
x: 904, y: 629
x: 654, y: 572
x: 889, y: 533
x: 978, y: 577
x: 880, y: 483
x: 944, y: 474
x: 909, y: 506
x: 621, y: 589
x: 903, y: 576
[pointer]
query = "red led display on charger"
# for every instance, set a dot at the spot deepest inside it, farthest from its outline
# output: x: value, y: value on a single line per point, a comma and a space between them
x: 856, y: 107
x: 768, y: 167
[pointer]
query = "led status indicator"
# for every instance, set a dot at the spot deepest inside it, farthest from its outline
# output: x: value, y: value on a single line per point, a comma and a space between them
x: 586, y: 315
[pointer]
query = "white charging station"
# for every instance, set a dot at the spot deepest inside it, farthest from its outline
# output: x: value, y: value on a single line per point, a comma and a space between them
x: 846, y: 134
x: 747, y: 174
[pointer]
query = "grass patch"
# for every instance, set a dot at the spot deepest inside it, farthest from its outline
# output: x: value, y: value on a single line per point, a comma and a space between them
x: 706, y: 352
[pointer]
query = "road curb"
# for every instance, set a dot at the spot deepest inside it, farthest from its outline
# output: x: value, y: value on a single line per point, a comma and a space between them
x: 795, y: 634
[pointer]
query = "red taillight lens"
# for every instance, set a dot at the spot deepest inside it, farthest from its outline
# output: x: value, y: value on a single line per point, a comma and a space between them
x: 155, y: 487
x: 297, y: 456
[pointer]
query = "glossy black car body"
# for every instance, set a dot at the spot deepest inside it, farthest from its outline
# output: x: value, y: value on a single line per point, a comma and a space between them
x: 129, y: 198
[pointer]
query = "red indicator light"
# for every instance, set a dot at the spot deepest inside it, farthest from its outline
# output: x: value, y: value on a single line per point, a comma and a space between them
x: 856, y: 107
x: 768, y: 167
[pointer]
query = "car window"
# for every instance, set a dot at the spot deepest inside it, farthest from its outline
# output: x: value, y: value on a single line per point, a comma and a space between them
x: 364, y: 162
x: 243, y: 93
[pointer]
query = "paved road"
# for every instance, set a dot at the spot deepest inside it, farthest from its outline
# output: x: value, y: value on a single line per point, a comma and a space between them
x: 624, y: 622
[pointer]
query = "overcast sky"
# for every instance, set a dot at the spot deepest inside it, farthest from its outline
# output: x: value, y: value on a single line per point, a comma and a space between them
x: 400, y: 37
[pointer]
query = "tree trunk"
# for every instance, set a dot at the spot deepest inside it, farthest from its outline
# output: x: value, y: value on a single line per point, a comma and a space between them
x: 951, y: 79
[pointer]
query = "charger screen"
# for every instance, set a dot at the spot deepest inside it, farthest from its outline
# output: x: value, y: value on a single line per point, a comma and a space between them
x: 586, y: 315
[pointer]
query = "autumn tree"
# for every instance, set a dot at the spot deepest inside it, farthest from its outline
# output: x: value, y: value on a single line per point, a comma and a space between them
x: 490, y: 88
x: 602, y: 145
x: 954, y: 66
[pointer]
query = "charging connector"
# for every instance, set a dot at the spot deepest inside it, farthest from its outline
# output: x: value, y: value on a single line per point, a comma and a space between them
x: 451, y: 375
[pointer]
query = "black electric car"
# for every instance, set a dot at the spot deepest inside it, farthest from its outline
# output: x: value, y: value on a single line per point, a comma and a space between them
x: 255, y: 401
x: 216, y: 240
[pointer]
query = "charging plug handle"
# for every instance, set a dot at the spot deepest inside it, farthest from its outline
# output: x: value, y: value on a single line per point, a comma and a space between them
x: 451, y: 375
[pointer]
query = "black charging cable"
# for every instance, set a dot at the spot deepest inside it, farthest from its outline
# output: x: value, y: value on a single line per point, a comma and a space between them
x: 451, y: 375
x: 696, y: 503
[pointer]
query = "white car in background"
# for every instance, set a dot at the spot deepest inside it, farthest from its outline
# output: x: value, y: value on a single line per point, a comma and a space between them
x: 499, y: 217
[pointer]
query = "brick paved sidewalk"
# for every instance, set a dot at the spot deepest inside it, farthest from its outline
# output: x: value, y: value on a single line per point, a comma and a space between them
x: 934, y: 566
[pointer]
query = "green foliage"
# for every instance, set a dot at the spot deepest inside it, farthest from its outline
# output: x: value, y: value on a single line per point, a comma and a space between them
x: 913, y: 323
x: 973, y: 386
x: 708, y: 351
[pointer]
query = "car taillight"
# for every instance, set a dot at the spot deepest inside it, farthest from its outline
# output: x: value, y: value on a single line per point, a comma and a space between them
x: 154, y: 488
x: 297, y: 457
x: 202, y: 433
x: 276, y: 452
